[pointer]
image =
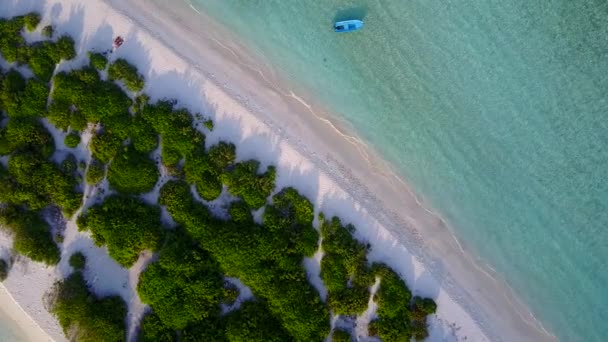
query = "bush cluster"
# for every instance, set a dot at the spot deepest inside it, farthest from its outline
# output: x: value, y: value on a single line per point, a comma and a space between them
x: 31, y: 20
x: 126, y: 225
x: 244, y: 181
x: 132, y: 172
x: 72, y: 140
x: 81, y: 96
x: 95, y: 172
x: 78, y: 261
x: 266, y: 258
x: 47, y: 31
x: 179, y: 138
x: 21, y: 98
x: 204, y: 169
x: 124, y: 71
x: 344, y: 268
x: 12, y: 44
x: 396, y: 321
x: 254, y: 322
x: 84, y: 316
x: 98, y: 61
x: 339, y: 335
x: 184, y: 287
x: 31, y: 180
x: 31, y: 234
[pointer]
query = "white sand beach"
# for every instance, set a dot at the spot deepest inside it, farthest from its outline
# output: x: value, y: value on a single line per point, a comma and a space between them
x: 184, y: 55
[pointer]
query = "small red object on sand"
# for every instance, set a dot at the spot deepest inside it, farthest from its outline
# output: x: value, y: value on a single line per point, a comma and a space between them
x: 118, y: 41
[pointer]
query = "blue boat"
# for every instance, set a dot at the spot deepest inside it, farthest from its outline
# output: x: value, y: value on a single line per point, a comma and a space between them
x: 348, y: 25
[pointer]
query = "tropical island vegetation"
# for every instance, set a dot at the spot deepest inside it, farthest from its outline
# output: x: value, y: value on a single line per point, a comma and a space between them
x: 187, y: 285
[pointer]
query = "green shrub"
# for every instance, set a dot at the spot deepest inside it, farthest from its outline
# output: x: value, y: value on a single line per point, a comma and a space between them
x: 65, y: 48
x: 95, y: 172
x: 26, y: 135
x: 253, y: 322
x: 31, y: 21
x: 340, y: 335
x: 69, y: 165
x: 240, y: 212
x: 47, y: 31
x: 396, y: 321
x: 78, y: 261
x: 222, y: 156
x: 98, y: 61
x: 85, y: 317
x: 209, y: 124
x: 105, y: 146
x: 95, y: 99
x: 12, y: 44
x: 22, y: 99
x: 143, y: 136
x: 243, y: 181
x: 152, y: 329
x: 267, y: 260
x: 38, y: 182
x: 198, y: 170
x: 126, y: 225
x: 32, y: 235
x: 344, y: 268
x: 4, y: 268
x: 179, y: 138
x: 72, y: 140
x: 123, y: 70
x: 42, y: 59
x: 132, y: 172
x: 184, y: 286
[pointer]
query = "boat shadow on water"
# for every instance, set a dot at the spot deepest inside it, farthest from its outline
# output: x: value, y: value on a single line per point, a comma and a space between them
x: 358, y: 12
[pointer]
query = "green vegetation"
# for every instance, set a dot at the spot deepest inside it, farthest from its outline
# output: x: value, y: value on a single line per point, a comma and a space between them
x: 245, y: 182
x: 344, y: 268
x: 78, y: 261
x: 21, y: 98
x: 123, y: 70
x: 47, y: 31
x: 35, y: 182
x: 132, y: 172
x: 98, y: 61
x: 31, y: 234
x: 31, y: 21
x: 253, y: 322
x: 105, y: 146
x: 152, y: 329
x: 266, y: 258
x: 209, y: 124
x: 398, y: 322
x: 186, y: 287
x: 179, y: 138
x: 95, y: 172
x: 184, y: 277
x: 340, y: 335
x: 72, y: 140
x: 4, y: 268
x: 82, y: 93
x: 126, y: 225
x: 84, y: 316
x: 12, y: 44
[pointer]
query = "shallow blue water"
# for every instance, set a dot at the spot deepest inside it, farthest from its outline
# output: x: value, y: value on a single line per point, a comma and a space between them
x: 496, y: 111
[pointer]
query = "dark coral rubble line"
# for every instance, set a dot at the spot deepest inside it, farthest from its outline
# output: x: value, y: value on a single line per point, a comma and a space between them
x: 186, y: 287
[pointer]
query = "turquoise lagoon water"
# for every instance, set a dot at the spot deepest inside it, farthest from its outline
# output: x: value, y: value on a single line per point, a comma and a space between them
x: 496, y: 111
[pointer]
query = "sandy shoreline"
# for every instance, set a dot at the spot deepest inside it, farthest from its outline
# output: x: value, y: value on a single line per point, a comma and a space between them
x: 186, y: 56
x: 25, y: 328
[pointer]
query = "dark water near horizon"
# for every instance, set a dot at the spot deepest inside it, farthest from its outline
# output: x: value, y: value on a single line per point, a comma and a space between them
x: 496, y: 112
